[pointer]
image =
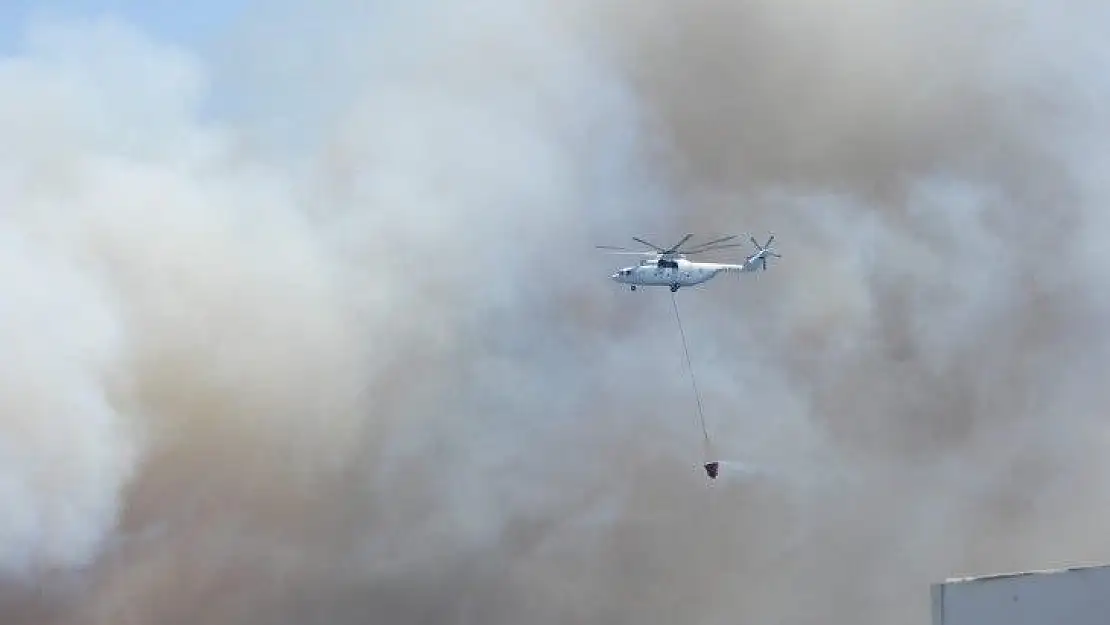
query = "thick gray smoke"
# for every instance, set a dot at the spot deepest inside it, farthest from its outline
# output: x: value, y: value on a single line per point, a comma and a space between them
x: 313, y: 333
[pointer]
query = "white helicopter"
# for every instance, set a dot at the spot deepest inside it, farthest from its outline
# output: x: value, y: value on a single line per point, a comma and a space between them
x: 669, y: 267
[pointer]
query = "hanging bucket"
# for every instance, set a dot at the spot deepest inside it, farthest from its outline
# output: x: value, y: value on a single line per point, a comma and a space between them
x: 711, y: 469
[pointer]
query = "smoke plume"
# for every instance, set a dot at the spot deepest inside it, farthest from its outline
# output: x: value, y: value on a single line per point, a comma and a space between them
x: 311, y: 329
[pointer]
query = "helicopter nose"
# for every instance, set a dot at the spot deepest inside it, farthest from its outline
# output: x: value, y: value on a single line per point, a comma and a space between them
x: 615, y: 277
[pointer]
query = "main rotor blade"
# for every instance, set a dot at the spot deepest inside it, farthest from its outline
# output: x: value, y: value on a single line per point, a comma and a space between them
x: 755, y: 243
x: 769, y: 241
x: 679, y: 244
x: 612, y: 247
x: 651, y: 245
x: 700, y: 246
x: 714, y: 248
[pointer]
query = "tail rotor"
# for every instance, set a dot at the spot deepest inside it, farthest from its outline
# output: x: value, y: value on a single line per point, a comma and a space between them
x: 762, y: 252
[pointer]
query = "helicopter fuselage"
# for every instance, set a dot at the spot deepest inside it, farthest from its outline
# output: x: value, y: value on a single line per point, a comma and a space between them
x: 674, y: 273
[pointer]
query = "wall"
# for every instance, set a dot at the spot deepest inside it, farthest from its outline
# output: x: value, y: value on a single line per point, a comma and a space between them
x: 1076, y: 596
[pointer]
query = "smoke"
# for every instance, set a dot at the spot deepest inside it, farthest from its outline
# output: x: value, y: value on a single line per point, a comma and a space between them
x: 311, y: 332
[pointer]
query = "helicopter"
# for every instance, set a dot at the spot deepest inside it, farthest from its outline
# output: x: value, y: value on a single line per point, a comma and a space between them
x: 669, y: 266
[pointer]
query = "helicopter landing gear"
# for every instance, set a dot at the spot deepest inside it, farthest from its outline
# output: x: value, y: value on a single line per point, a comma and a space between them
x: 674, y: 287
x: 633, y: 287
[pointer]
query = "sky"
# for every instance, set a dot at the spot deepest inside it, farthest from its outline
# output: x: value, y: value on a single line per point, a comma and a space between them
x: 193, y: 24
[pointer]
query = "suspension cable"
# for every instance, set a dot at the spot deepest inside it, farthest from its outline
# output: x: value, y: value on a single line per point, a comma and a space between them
x: 690, y: 368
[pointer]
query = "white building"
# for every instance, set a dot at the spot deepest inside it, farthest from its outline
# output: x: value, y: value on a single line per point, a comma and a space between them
x: 1073, y: 596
